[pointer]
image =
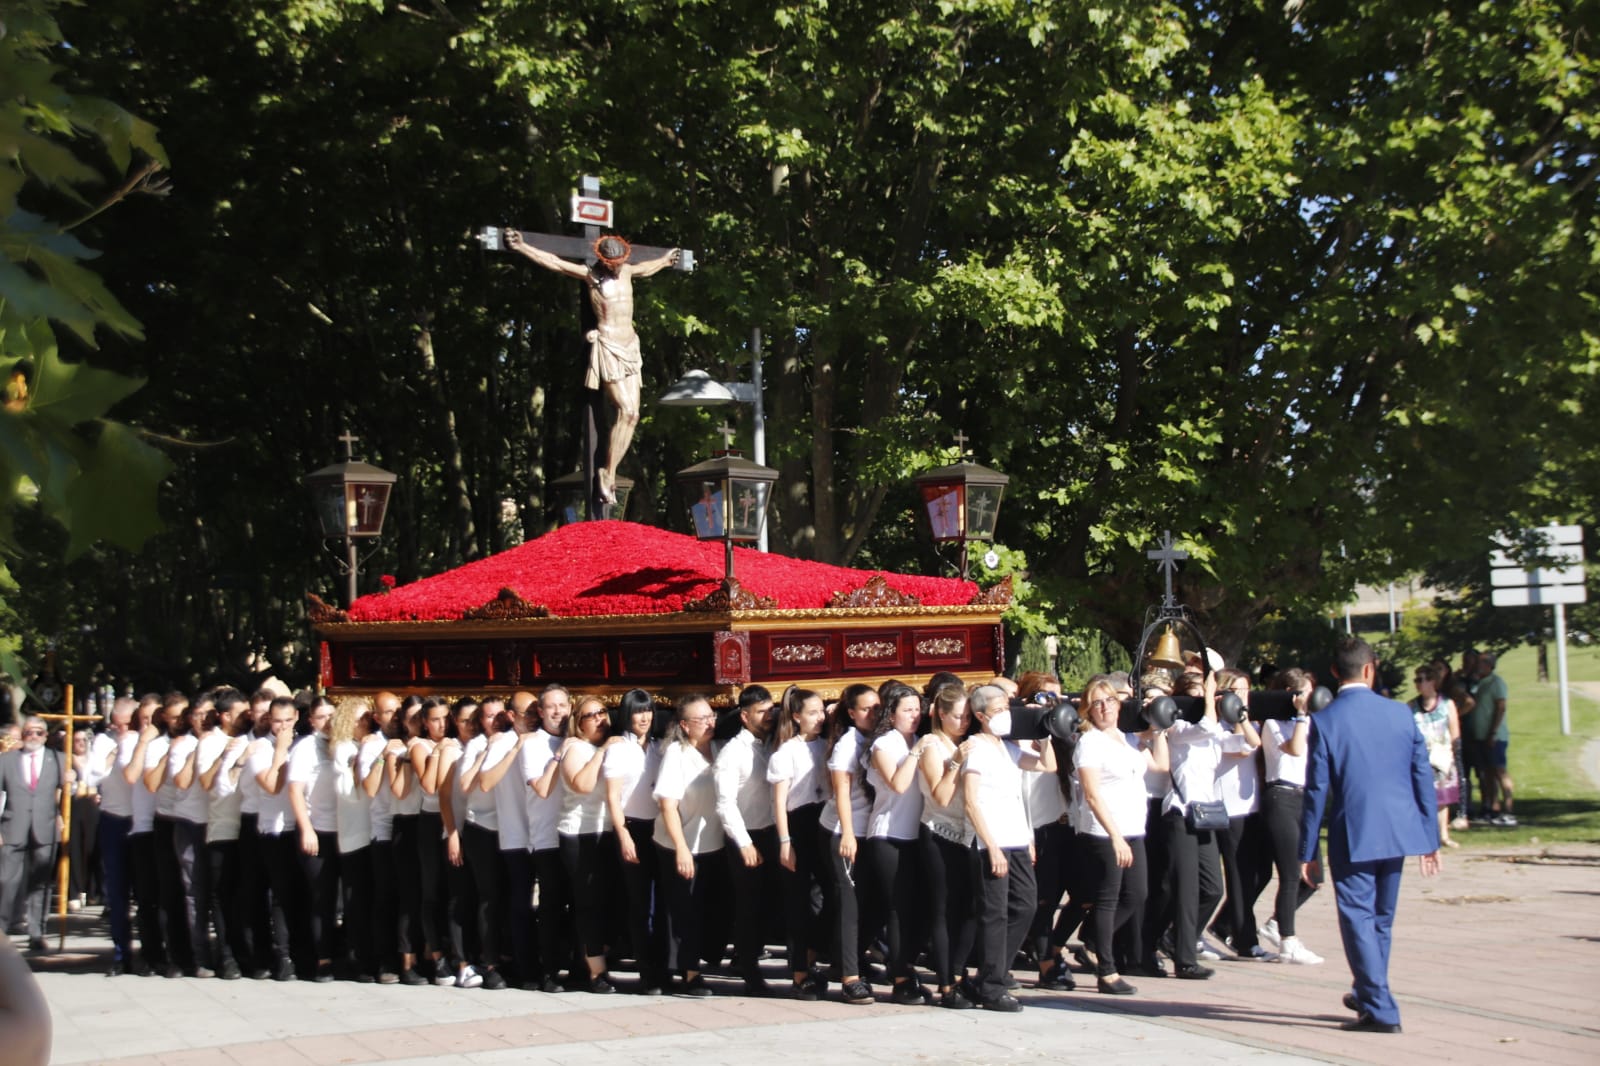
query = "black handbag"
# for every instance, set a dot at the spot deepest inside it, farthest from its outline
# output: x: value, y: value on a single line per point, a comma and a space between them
x: 1204, y: 816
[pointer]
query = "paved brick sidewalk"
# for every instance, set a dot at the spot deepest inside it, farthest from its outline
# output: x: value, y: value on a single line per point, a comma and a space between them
x: 1496, y: 961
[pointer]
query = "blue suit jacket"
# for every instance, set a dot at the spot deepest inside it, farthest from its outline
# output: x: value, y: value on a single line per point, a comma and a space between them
x: 1368, y: 768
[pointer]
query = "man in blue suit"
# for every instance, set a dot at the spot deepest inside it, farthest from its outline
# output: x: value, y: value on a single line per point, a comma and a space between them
x: 1368, y: 768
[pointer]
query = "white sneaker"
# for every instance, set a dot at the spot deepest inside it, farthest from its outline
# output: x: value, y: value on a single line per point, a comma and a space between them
x: 1202, y: 950
x: 1296, y: 952
x: 1269, y: 933
x: 471, y: 978
x: 442, y: 977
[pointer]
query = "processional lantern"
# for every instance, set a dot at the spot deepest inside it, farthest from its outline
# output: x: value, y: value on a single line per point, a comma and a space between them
x: 727, y: 496
x: 572, y: 491
x: 352, y: 500
x: 961, y: 502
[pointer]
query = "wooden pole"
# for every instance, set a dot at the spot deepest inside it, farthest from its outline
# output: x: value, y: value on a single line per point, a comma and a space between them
x: 63, y: 860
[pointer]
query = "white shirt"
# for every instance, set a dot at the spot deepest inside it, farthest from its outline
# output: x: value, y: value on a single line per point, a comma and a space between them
x: 510, y: 802
x: 190, y: 803
x: 428, y: 803
x: 380, y: 810
x: 1281, y: 766
x: 998, y: 767
x: 481, y: 809
x: 583, y: 812
x: 538, y: 752
x: 686, y: 776
x: 166, y: 795
x: 353, y: 807
x: 846, y: 757
x: 800, y: 762
x: 411, y: 805
x: 311, y: 766
x: 1119, y: 782
x: 949, y: 821
x: 222, y: 816
x: 1196, y: 750
x: 895, y: 815
x: 635, y: 764
x: 744, y: 799
x: 273, y: 814
x: 116, y: 795
x: 1041, y: 794
x: 1238, y: 781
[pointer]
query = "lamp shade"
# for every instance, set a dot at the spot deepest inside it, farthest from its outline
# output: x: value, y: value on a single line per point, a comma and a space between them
x: 696, y: 389
x: 961, y: 501
x: 352, y: 498
x: 727, y: 496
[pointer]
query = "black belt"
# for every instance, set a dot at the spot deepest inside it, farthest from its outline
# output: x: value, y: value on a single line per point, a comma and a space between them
x: 1286, y: 784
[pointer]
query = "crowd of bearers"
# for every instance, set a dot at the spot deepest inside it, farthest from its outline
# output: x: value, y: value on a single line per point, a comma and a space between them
x: 538, y: 841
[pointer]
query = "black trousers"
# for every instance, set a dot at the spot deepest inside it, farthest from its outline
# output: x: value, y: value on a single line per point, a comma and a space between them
x: 1153, y: 922
x: 252, y: 899
x: 1005, y: 910
x: 1191, y: 889
x: 687, y: 901
x: 482, y: 848
x: 431, y: 863
x: 1282, y: 816
x: 385, y: 898
x: 147, y: 894
x: 408, y: 885
x: 222, y: 865
x: 84, y: 869
x: 1059, y: 869
x: 801, y: 886
x: 356, y: 885
x: 1238, y: 848
x: 580, y: 863
x: 755, y: 888
x: 557, y: 943
x: 647, y: 919
x: 280, y: 861
x: 114, y: 860
x: 194, y: 877
x: 320, y: 881
x: 1119, y: 896
x: 169, y: 881
x: 518, y: 942
x: 951, y: 871
x: 898, y: 877
x: 843, y: 902
x: 461, y: 907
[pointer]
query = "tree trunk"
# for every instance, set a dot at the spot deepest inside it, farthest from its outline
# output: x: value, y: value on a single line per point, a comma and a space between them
x: 455, y: 479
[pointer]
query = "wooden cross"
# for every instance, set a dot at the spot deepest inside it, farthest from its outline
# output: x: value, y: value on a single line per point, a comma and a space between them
x: 1167, y: 558
x: 349, y: 440
x: 961, y: 445
x: 728, y: 433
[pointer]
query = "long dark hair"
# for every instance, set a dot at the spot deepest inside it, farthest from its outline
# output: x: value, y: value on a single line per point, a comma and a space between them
x: 841, y: 723
x: 889, y: 696
x: 635, y: 701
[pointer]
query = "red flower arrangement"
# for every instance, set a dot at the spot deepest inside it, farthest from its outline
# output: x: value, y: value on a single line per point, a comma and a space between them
x: 388, y: 583
x: 620, y: 568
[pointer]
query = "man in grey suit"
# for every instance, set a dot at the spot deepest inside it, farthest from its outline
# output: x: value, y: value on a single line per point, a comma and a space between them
x: 31, y: 779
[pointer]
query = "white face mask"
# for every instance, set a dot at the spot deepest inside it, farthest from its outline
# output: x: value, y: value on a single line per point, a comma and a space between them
x: 1000, y: 722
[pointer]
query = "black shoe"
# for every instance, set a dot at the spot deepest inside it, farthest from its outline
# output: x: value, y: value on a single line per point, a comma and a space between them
x: 954, y: 1000
x: 362, y: 977
x: 1005, y: 1003
x: 600, y: 984
x: 1194, y: 972
x: 172, y: 972
x: 1350, y: 1003
x: 551, y: 985
x: 857, y: 991
x: 324, y: 973
x: 262, y: 974
x: 284, y: 971
x: 804, y: 991
x: 757, y: 987
x: 1056, y: 978
x: 910, y: 994
x: 493, y: 981
x: 695, y: 987
x: 1366, y: 1023
x: 1010, y: 981
x: 202, y: 971
x: 1119, y: 987
x: 117, y: 968
x: 1151, y: 967
x: 412, y: 977
x: 230, y: 970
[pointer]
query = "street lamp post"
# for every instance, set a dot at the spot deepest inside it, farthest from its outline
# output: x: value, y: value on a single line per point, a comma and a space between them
x: 352, y: 499
x: 698, y: 389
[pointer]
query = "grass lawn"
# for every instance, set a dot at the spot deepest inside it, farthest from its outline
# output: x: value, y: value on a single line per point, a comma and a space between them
x: 1555, y: 799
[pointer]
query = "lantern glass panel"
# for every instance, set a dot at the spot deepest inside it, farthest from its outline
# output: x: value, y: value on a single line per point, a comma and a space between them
x: 747, y: 508
x: 983, y: 508
x: 943, y: 505
x: 364, y: 507
x: 330, y: 509
x: 707, y: 511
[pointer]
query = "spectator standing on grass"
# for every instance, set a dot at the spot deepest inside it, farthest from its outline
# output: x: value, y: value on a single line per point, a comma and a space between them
x: 1490, y: 737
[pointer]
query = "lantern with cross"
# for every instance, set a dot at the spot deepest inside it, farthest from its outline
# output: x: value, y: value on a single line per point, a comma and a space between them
x: 961, y: 502
x: 727, y: 496
x: 352, y: 499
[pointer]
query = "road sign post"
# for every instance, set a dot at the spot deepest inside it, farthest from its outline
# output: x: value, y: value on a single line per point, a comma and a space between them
x: 1557, y: 580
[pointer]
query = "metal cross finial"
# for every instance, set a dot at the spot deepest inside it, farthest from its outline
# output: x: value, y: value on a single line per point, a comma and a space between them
x: 1167, y: 558
x: 961, y: 444
x: 349, y: 444
x: 728, y: 433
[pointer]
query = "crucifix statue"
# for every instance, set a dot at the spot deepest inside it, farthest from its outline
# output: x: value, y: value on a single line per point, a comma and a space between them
x: 1167, y: 558
x: 607, y: 265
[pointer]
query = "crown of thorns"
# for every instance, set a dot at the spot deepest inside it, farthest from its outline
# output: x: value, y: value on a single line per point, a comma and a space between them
x: 612, y: 250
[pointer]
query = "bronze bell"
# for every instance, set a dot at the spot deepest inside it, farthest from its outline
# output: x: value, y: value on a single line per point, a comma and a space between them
x: 1167, y: 652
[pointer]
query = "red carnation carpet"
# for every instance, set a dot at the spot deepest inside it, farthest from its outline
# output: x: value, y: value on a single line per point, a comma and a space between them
x: 611, y: 568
